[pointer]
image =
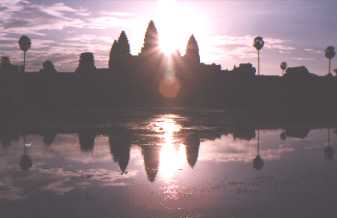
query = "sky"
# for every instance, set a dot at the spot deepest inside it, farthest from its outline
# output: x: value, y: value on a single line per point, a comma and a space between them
x: 294, y: 31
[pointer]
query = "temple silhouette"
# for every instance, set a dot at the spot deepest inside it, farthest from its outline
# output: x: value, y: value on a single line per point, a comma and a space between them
x: 151, y: 79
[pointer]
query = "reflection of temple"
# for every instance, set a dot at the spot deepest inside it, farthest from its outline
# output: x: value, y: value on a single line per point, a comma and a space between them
x: 151, y: 156
x: 120, y: 142
x: 120, y: 150
x: 48, y: 137
x: 192, y: 148
x: 244, y: 133
x: 87, y: 140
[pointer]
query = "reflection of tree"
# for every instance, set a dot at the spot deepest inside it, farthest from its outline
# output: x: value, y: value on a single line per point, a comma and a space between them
x: 87, y: 140
x: 6, y: 141
x: 120, y: 149
x: 26, y: 162
x: 258, y: 162
x: 192, y: 148
x: 7, y: 136
x: 244, y: 133
x: 48, y: 137
x: 295, y: 133
x: 151, y: 161
x: 329, y: 152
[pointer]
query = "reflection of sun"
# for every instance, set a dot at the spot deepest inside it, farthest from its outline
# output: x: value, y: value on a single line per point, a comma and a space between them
x: 176, y: 22
x: 167, y: 125
x: 172, y: 155
x: 171, y: 160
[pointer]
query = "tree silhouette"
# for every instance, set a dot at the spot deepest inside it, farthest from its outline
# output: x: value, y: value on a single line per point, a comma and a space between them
x: 192, y: 50
x: 284, y: 66
x: 151, y: 40
x: 258, y: 44
x: 5, y: 62
x: 335, y: 70
x: 48, y: 67
x: 330, y: 54
x: 25, y: 44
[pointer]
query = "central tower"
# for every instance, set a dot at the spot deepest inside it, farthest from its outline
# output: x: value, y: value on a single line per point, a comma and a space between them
x: 151, y: 40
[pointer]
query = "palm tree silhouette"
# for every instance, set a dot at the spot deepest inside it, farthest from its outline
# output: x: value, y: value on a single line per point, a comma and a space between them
x: 284, y: 66
x: 258, y: 44
x: 330, y: 54
x: 25, y: 44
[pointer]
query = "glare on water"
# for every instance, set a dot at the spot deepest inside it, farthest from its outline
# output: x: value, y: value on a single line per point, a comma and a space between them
x: 172, y: 153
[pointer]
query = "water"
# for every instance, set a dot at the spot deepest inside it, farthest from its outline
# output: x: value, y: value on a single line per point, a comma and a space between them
x: 170, y: 165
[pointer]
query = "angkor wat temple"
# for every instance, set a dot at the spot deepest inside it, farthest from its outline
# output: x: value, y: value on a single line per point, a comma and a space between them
x: 153, y: 79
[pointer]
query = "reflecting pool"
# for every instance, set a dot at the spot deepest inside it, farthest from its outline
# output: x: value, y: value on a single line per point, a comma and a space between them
x: 169, y: 165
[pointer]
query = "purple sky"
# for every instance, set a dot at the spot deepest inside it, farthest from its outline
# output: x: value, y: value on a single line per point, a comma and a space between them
x: 294, y: 31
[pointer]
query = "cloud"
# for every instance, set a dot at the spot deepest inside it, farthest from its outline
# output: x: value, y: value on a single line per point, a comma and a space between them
x: 118, y: 13
x: 313, y: 51
x: 237, y: 48
x: 303, y: 59
x: 24, y: 15
x: 58, y: 31
x: 278, y: 44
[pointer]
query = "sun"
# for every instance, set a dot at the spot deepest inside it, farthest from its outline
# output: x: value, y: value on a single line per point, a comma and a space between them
x: 167, y: 10
x: 176, y: 22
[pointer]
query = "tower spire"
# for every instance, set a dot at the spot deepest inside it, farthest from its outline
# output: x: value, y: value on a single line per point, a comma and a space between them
x: 151, y: 41
x: 192, y: 50
x: 114, y: 55
x: 123, y: 44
